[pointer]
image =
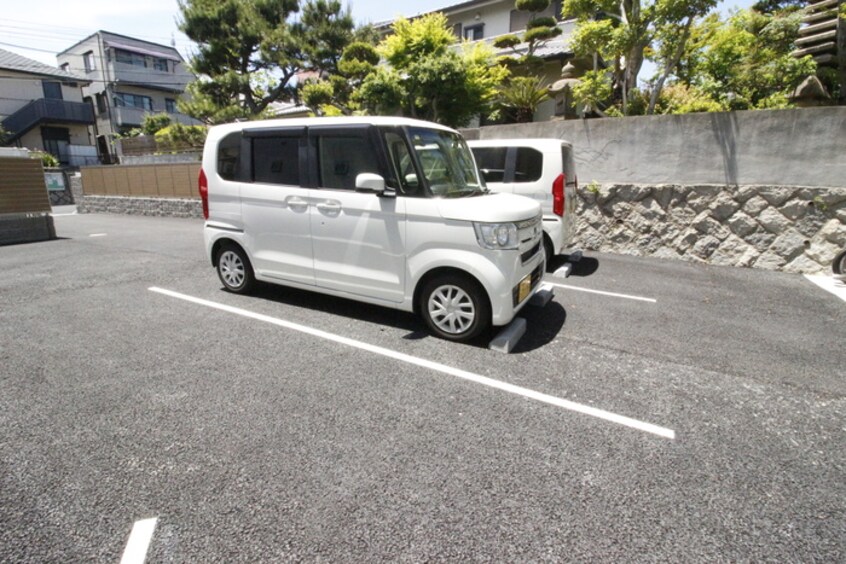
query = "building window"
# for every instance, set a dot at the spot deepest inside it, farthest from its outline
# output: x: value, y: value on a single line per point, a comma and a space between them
x: 170, y: 105
x: 90, y: 63
x: 160, y: 64
x: 65, y: 67
x: 129, y: 58
x: 456, y: 29
x: 474, y: 32
x: 134, y: 101
x: 101, y: 102
x: 52, y: 90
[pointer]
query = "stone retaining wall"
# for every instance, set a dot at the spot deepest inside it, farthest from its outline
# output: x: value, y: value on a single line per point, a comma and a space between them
x: 172, y: 207
x: 792, y: 229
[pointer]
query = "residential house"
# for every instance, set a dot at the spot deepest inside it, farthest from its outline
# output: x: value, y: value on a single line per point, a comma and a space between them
x: 129, y: 78
x: 485, y: 20
x: 41, y: 107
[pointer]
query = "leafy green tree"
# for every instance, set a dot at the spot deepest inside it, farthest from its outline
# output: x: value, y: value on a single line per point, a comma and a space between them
x: 249, y: 51
x: 326, y: 29
x: 745, y: 62
x: 239, y: 40
x: 593, y: 89
x: 425, y: 78
x: 332, y: 95
x: 617, y: 32
x: 775, y: 6
x: 624, y: 34
x: 674, y: 21
x: 178, y: 137
x: 154, y: 122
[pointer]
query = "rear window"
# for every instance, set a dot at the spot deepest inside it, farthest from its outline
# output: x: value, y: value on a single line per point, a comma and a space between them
x: 529, y: 165
x: 229, y: 155
x: 491, y: 162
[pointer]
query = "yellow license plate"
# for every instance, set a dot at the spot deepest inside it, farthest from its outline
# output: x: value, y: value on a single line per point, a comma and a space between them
x: 525, y: 288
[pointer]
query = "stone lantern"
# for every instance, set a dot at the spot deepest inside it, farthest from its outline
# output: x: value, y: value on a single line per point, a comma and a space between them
x: 562, y: 92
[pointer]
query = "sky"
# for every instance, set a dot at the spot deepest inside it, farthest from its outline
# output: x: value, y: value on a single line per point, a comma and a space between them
x: 39, y: 29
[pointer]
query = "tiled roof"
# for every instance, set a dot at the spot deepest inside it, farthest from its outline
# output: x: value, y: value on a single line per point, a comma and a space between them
x: 555, y: 47
x: 14, y: 62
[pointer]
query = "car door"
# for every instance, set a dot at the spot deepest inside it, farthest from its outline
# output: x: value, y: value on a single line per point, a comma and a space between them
x: 358, y: 237
x: 275, y: 204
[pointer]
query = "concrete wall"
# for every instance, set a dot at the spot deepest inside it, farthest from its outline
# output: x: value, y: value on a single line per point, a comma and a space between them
x: 802, y: 147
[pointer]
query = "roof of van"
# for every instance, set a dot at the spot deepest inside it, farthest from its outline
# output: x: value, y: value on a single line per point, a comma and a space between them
x: 324, y: 121
x: 538, y: 142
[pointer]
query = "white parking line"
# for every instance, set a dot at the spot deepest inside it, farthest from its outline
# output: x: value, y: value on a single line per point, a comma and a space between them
x: 139, y: 541
x: 98, y: 234
x: 612, y: 294
x: 829, y: 284
x: 442, y: 368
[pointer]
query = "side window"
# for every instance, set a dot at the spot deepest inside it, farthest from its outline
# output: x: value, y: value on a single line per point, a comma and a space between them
x: 342, y: 157
x: 491, y: 162
x: 402, y: 164
x: 529, y: 165
x: 229, y: 156
x: 276, y: 160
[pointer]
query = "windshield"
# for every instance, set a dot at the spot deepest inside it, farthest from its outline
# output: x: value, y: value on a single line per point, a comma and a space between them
x: 446, y: 163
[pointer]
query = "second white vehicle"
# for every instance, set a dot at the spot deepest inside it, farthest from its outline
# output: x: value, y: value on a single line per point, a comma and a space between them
x: 541, y: 169
x: 388, y: 211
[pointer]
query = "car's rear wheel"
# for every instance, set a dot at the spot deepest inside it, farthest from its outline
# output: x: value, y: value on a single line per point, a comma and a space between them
x: 234, y: 269
x: 455, y: 307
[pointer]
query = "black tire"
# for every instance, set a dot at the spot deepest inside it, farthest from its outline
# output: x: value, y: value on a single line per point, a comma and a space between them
x: 455, y: 307
x: 548, y: 250
x: 234, y: 269
x: 838, y: 265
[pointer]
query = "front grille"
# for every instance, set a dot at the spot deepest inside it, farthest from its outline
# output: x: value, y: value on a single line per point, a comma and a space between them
x: 527, y: 256
x: 529, y: 233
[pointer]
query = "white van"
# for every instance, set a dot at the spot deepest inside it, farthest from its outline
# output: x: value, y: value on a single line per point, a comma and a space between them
x: 542, y: 169
x: 386, y: 211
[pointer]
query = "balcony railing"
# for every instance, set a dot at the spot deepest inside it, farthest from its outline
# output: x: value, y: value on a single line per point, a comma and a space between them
x: 46, y: 110
x: 150, y: 78
x: 132, y: 117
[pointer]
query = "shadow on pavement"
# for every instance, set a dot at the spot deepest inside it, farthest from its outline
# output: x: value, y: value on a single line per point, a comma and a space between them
x: 585, y: 266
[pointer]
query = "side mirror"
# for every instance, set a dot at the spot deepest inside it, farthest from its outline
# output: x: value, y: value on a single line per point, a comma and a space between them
x: 369, y: 182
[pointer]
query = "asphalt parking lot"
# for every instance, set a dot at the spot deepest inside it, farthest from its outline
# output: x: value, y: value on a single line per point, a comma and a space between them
x: 654, y: 411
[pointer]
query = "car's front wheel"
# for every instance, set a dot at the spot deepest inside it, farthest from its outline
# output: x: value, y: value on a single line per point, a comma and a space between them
x: 234, y: 269
x: 455, y: 307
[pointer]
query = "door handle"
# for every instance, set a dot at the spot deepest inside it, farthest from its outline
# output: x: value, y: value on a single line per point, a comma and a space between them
x: 296, y: 204
x: 329, y: 208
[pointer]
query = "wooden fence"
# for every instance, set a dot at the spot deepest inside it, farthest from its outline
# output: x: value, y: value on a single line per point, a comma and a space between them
x: 22, y: 187
x: 151, y: 181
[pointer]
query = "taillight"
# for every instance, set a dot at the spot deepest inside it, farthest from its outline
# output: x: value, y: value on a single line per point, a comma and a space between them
x: 204, y: 193
x: 558, y: 198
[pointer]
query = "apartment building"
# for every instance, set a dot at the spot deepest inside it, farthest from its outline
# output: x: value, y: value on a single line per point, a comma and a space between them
x: 128, y: 79
x: 485, y: 20
x: 42, y: 107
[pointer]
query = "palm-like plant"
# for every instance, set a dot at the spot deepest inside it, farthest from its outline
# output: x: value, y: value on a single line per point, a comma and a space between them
x: 522, y: 96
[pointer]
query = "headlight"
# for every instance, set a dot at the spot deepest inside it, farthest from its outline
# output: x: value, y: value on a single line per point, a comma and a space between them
x: 497, y: 235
